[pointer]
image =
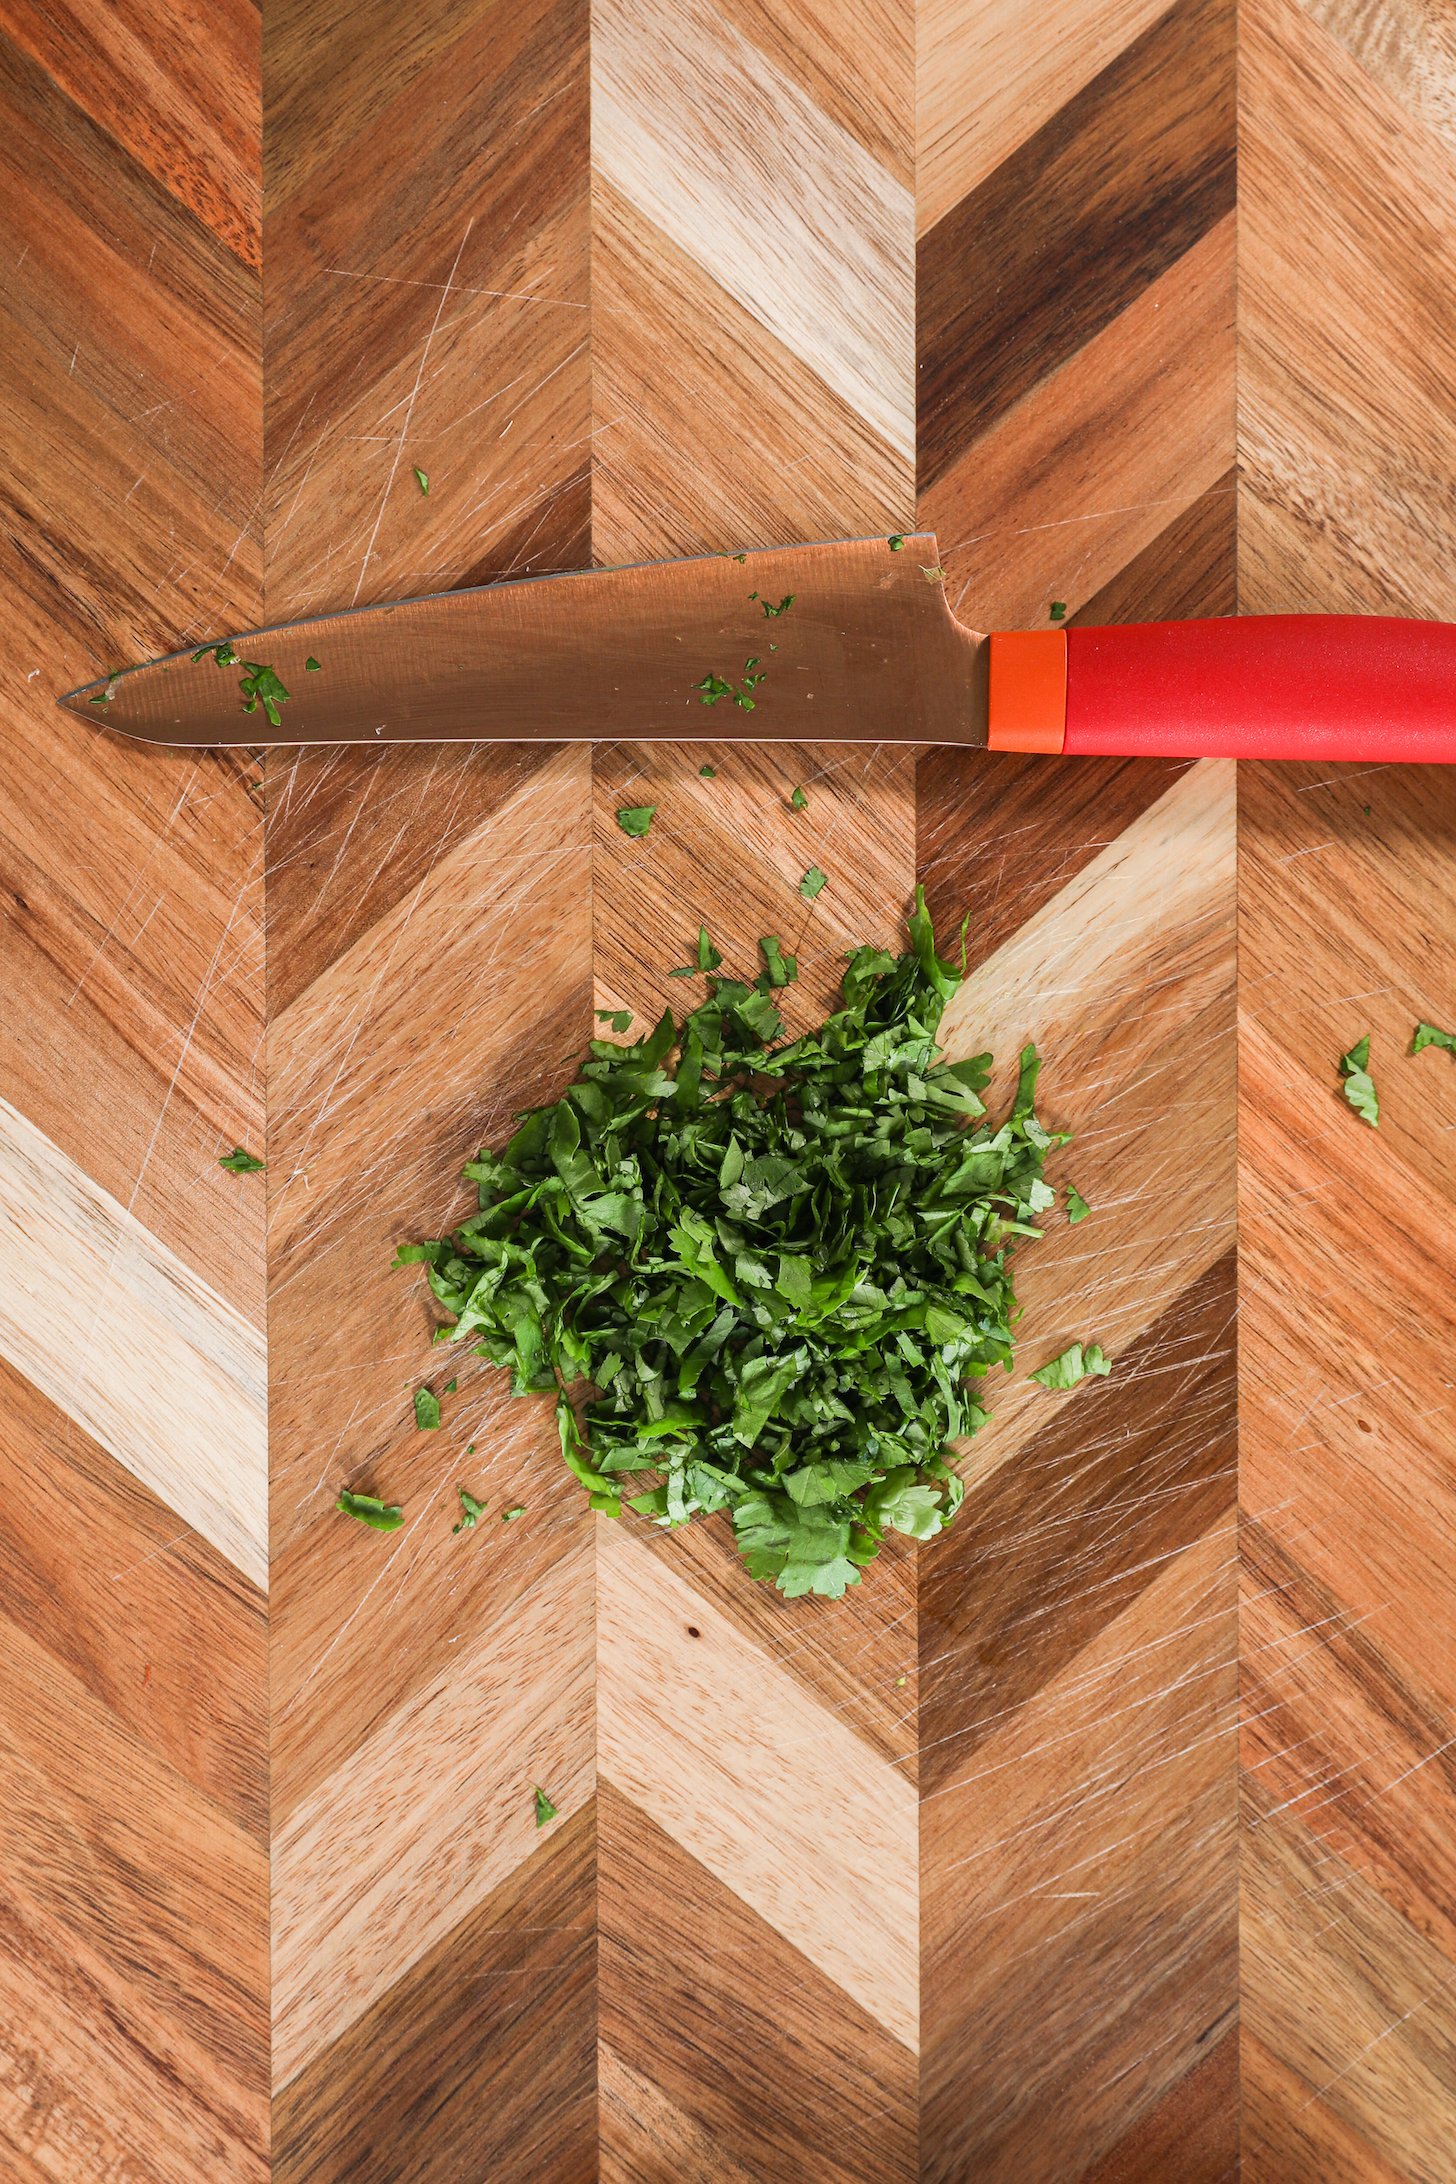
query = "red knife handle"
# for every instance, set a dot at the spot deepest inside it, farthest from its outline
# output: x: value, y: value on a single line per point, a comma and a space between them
x: 1316, y: 686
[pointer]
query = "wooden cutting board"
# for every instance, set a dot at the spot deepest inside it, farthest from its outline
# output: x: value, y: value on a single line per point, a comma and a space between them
x: 942, y: 1881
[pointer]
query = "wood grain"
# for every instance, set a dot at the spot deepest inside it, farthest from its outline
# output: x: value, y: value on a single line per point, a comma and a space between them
x: 1347, y: 450
x: 133, y: 1905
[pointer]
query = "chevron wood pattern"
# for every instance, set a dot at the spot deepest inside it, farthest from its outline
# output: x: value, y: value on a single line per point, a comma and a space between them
x: 1347, y: 1413
x: 937, y: 1882
x: 133, y: 1728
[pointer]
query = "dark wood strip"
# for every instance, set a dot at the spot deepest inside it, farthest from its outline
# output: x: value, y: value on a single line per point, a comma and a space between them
x: 1074, y: 225
x: 481, y: 2061
x: 145, y: 1615
x: 428, y: 297
x: 1190, y: 2136
x: 748, y: 2049
x: 1059, y: 1542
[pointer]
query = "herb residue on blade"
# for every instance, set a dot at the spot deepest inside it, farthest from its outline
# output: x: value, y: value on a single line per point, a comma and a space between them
x: 762, y: 1278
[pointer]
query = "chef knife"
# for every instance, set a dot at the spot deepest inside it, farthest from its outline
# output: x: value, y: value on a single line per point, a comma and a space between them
x: 851, y: 640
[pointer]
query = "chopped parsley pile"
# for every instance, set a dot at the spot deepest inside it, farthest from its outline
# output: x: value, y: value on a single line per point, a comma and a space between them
x: 759, y: 1277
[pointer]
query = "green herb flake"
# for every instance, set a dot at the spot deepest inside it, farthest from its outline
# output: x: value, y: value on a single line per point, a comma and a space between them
x: 260, y: 685
x: 813, y: 883
x: 635, y: 819
x: 471, y: 1511
x: 1077, y: 1206
x: 241, y: 1162
x: 615, y: 1019
x: 799, y: 800
x: 1359, y: 1085
x: 378, y: 1515
x: 1429, y: 1035
x: 509, y: 1516
x: 778, y: 969
x: 427, y: 1410
x: 421, y: 480
x: 709, y: 773
x: 933, y: 575
x: 897, y: 542
x: 545, y: 1810
x: 310, y: 665
x: 450, y: 1387
x: 1058, y: 610
x: 1076, y: 1363
x: 104, y: 697
x: 772, y: 612
x: 762, y: 1277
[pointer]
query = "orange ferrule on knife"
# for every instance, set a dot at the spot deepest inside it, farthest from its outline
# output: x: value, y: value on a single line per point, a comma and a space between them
x: 1027, y: 700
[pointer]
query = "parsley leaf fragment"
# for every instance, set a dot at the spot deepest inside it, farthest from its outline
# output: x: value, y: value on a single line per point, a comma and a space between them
x: 421, y: 480
x: 545, y: 1810
x: 241, y: 1162
x: 799, y: 800
x: 378, y: 1515
x: 615, y: 1019
x: 1429, y: 1035
x: 509, y: 1516
x: 709, y: 773
x: 427, y: 1410
x: 1058, y: 610
x: 471, y: 1511
x: 896, y: 543
x: 1077, y: 1206
x: 635, y: 819
x: 1359, y: 1085
x: 813, y: 882
x: 762, y: 1278
x: 1075, y: 1363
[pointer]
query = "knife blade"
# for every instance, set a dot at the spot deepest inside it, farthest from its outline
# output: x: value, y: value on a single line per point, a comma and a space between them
x: 869, y: 652
x: 846, y: 641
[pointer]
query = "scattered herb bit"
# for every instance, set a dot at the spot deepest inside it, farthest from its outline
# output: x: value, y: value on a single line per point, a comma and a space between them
x: 772, y: 612
x: 897, y: 542
x: 310, y: 665
x: 636, y: 818
x: 421, y: 480
x: 545, y: 1810
x: 760, y: 1277
x: 1073, y: 1365
x: 740, y: 559
x: 104, y: 697
x: 714, y: 687
x: 223, y: 654
x: 241, y: 1162
x: 427, y: 1410
x: 799, y: 800
x: 1366, y: 809
x: 1359, y: 1085
x: 1428, y: 1035
x: 450, y: 1387
x: 470, y: 1448
x: 708, y: 958
x: 509, y: 1516
x: 1077, y: 1206
x: 379, y: 1516
x: 709, y: 773
x: 813, y: 883
x: 471, y: 1511
x: 899, y: 1680
x: 615, y: 1019
x: 261, y: 686
x: 778, y: 969
x: 1058, y: 610
x: 933, y: 575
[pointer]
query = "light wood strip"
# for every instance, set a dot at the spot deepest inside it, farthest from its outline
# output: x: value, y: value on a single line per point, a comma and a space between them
x: 787, y: 1806
x: 826, y: 277
x: 428, y: 1816
x: 164, y: 1374
x: 991, y: 75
